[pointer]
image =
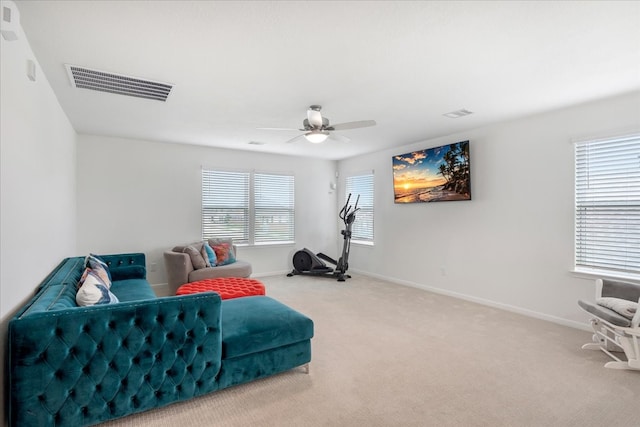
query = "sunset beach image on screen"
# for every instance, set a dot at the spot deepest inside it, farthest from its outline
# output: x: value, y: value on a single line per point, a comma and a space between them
x: 435, y: 174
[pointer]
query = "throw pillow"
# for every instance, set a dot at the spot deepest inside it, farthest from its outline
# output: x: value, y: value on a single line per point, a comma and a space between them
x: 93, y: 292
x: 224, y: 254
x: 216, y: 241
x: 205, y: 255
x: 196, y: 258
x: 623, y: 307
x: 103, y: 274
x: 93, y: 261
x: 84, y: 276
x: 210, y: 254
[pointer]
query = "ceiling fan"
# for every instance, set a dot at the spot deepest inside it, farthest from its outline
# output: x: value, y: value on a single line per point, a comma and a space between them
x: 317, y: 128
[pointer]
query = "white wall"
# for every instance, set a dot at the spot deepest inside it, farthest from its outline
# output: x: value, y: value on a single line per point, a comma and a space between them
x: 512, y: 245
x: 143, y: 196
x: 37, y: 192
x: 37, y: 184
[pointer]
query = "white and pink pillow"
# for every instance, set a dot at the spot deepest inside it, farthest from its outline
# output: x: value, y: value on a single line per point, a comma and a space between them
x: 93, y: 290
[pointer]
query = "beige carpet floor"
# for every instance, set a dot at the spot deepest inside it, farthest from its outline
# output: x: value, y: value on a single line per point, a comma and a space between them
x: 390, y: 355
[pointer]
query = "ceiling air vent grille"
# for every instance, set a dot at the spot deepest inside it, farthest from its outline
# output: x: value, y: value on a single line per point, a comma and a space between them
x: 86, y: 78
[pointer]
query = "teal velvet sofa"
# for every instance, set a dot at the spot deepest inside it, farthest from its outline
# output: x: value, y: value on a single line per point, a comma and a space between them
x: 74, y: 366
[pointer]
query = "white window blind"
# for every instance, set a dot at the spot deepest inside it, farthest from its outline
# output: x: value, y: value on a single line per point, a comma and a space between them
x: 251, y: 208
x: 607, y: 222
x: 225, y: 205
x: 363, y: 226
x: 274, y: 208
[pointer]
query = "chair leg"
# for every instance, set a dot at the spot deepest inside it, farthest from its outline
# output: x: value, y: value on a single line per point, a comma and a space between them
x: 617, y: 365
x: 591, y: 346
x: 631, y: 349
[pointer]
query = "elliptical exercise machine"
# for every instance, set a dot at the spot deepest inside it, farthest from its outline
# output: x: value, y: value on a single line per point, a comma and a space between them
x: 306, y: 262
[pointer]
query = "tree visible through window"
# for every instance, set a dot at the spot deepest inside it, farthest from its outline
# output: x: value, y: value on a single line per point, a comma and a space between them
x: 607, y: 206
x: 252, y: 208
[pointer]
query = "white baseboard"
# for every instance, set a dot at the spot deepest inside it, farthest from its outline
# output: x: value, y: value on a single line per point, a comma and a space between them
x: 494, y: 304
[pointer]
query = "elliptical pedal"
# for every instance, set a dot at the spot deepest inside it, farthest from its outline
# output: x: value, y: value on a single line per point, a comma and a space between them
x: 327, y: 258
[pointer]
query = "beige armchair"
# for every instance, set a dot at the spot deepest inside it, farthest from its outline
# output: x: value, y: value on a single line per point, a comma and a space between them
x: 180, y: 269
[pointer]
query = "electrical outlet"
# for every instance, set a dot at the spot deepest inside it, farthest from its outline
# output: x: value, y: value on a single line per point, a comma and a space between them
x: 153, y: 265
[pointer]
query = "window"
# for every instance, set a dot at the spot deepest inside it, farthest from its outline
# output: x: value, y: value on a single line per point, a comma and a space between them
x: 361, y: 185
x: 607, y: 198
x: 274, y: 209
x: 252, y: 208
x: 225, y: 205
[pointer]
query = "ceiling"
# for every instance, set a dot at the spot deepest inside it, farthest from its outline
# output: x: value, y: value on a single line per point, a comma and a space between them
x: 241, y: 65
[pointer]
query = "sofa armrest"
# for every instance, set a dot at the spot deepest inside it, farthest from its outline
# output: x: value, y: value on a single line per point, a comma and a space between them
x: 129, y: 356
x: 178, y: 266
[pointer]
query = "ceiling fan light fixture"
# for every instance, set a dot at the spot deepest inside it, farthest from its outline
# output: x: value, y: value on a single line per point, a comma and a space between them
x: 316, y: 136
x: 317, y: 128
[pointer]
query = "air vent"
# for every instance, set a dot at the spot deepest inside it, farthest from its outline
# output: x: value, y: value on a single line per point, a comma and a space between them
x: 86, y: 78
x: 458, y: 113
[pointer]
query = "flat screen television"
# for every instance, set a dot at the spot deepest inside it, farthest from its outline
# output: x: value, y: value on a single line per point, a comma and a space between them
x: 435, y: 174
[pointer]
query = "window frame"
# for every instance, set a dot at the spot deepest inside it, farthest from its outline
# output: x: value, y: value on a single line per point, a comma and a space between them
x: 289, y: 207
x: 252, y: 211
x: 366, y: 206
x: 605, y: 221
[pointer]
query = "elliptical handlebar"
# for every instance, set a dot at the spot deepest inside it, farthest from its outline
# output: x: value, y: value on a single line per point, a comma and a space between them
x: 347, y: 213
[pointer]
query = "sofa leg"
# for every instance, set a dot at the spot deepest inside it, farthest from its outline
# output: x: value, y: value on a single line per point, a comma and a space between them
x: 305, y: 368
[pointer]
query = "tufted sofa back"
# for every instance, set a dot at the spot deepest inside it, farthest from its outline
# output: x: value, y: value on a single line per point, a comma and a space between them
x: 75, y: 366
x: 58, y: 291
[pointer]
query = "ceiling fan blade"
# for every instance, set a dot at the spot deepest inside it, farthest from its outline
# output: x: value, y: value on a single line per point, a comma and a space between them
x: 315, y: 117
x: 353, y: 125
x: 339, y: 138
x: 277, y: 129
x: 295, y: 139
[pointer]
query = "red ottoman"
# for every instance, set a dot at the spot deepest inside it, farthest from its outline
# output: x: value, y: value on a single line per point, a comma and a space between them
x: 227, y: 287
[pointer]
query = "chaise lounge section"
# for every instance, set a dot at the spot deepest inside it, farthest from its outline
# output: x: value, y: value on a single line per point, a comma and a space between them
x: 78, y: 366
